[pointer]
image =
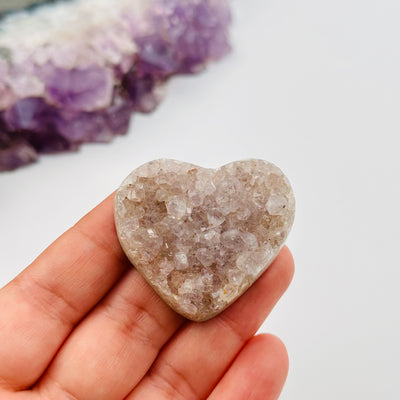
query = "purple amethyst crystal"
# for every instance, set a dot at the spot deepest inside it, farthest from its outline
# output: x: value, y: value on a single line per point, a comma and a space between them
x: 85, y: 89
x: 15, y: 151
x: 74, y: 72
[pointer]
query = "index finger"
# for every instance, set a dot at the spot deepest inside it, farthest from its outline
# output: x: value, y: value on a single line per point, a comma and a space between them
x: 41, y: 306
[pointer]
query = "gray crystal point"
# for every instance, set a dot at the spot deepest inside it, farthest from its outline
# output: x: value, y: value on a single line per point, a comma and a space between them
x: 201, y: 237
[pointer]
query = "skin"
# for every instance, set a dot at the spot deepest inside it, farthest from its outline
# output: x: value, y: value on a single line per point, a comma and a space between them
x: 80, y: 324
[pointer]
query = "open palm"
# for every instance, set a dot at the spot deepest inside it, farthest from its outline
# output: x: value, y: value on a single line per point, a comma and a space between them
x: 80, y: 324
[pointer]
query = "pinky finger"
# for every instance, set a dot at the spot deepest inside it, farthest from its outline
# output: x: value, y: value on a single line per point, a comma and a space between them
x: 258, y: 372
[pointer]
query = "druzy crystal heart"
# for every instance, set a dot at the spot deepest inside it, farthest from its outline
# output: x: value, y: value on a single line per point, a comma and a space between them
x: 201, y: 237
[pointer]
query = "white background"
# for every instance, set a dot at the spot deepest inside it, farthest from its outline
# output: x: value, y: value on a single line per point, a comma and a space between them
x: 314, y: 87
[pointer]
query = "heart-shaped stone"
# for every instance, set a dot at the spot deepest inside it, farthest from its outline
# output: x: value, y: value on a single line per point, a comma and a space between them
x: 202, y: 237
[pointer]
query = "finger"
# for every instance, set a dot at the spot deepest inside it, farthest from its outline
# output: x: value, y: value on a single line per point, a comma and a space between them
x: 40, y: 307
x: 258, y: 373
x: 210, y: 347
x: 114, y: 347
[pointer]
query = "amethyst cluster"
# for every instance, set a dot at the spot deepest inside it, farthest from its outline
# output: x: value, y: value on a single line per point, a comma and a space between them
x: 74, y: 72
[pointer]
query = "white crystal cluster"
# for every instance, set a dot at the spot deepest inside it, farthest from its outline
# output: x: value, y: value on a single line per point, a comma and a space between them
x: 200, y: 236
x: 83, y: 39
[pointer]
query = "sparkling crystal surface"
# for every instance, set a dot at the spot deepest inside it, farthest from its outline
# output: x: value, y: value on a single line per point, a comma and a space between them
x: 74, y: 72
x: 201, y: 237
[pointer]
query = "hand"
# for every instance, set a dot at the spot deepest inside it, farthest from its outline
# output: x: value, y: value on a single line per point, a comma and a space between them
x: 80, y: 323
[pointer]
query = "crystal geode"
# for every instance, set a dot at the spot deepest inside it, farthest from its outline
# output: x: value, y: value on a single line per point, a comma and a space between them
x: 74, y: 71
x: 201, y: 237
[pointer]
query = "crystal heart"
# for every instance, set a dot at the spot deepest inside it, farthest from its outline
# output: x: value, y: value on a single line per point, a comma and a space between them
x: 201, y: 237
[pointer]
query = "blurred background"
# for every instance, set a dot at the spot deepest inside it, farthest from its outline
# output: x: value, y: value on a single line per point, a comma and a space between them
x: 314, y: 87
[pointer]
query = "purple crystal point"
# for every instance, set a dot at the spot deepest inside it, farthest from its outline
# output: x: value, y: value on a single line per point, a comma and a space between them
x: 86, y: 89
x: 15, y: 152
x: 184, y: 36
x: 80, y: 80
x: 35, y: 121
x: 141, y: 89
x: 29, y: 114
